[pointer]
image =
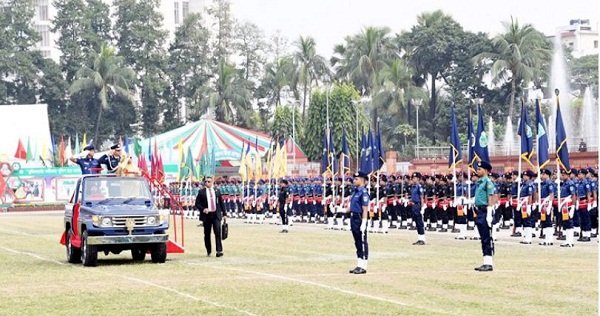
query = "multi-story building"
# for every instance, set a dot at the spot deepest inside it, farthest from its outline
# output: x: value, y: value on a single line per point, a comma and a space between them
x: 581, y: 37
x: 173, y: 12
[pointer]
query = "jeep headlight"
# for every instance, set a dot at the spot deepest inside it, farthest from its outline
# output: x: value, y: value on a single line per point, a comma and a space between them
x: 151, y: 220
x: 106, y: 221
x: 96, y: 220
x: 163, y: 218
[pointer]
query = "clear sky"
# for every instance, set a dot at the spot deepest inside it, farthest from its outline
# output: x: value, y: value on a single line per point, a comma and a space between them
x: 329, y: 21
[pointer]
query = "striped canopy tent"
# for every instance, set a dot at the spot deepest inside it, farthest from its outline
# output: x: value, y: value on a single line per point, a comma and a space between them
x: 207, y: 136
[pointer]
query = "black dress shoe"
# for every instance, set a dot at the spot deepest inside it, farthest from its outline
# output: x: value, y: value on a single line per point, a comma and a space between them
x: 526, y: 242
x: 474, y: 238
x: 219, y: 254
x: 208, y: 254
x: 393, y: 226
x: 586, y: 239
x: 517, y: 234
x: 284, y: 231
x: 353, y: 271
x: 546, y: 244
x: 359, y: 271
x: 484, y: 268
x: 455, y: 230
x: 443, y: 230
x: 419, y: 243
x: 567, y: 245
x: 561, y: 237
x: 470, y: 228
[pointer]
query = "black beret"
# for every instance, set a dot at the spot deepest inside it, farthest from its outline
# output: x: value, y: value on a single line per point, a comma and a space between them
x: 361, y: 175
x: 485, y: 165
x: 383, y: 178
x: 582, y: 171
x: 494, y: 175
x: 416, y: 175
x: 284, y: 181
x: 89, y: 147
x: 508, y: 175
x: 115, y: 146
x: 547, y: 171
x: 528, y: 173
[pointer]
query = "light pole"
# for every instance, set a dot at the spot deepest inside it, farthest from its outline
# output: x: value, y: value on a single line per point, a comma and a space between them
x: 417, y: 103
x: 293, y: 137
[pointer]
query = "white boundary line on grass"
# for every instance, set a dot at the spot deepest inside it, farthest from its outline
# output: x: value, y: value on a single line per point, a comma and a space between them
x: 145, y: 282
x: 325, y: 286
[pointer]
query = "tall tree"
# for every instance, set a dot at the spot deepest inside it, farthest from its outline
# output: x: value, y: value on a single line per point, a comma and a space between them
x: 517, y: 56
x: 430, y: 46
x: 98, y: 25
x: 249, y: 44
x: 140, y: 40
x: 108, y: 78
x: 343, y: 110
x: 312, y: 66
x: 277, y: 76
x: 283, y: 123
x: 228, y: 100
x: 188, y: 68
x: 70, y: 24
x: 223, y: 24
x: 18, y: 73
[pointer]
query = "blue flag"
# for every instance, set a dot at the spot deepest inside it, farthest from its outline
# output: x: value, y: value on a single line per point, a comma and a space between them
x: 345, y: 154
x: 455, y: 155
x: 365, y: 153
x: 526, y: 134
x: 542, y: 137
x: 325, y: 156
x: 370, y: 153
x: 380, y: 151
x: 481, y: 138
x: 471, y: 141
x: 562, y: 151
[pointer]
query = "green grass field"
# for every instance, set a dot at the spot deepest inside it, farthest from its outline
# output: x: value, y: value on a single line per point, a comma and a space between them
x: 304, y: 272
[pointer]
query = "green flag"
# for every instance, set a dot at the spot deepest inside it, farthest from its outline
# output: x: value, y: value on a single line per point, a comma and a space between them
x: 29, y: 152
x: 137, y: 147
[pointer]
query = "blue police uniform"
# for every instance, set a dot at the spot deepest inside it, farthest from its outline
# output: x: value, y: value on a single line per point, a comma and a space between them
x: 546, y: 188
x: 527, y: 190
x: 567, y: 189
x: 359, y: 199
x: 88, y: 165
x: 582, y: 216
x: 416, y: 194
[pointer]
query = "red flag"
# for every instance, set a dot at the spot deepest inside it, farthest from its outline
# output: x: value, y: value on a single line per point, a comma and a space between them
x: 21, y: 152
x: 142, y: 163
x: 2, y: 188
x: 160, y: 171
x: 61, y: 151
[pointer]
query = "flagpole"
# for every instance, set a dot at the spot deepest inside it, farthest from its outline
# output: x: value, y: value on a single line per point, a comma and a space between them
x: 556, y: 91
x: 539, y: 172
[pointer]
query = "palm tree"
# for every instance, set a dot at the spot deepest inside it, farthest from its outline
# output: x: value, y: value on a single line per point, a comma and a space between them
x: 361, y: 58
x: 311, y: 66
x: 277, y: 76
x: 229, y: 98
x: 107, y: 78
x: 397, y: 89
x: 516, y: 57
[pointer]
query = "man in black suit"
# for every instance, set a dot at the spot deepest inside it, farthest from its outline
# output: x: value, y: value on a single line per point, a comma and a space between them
x: 210, y: 204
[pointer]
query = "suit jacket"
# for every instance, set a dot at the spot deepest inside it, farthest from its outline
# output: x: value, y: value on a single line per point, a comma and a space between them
x: 202, y: 203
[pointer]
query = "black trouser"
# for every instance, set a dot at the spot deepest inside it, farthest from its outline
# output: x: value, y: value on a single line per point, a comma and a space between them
x: 283, y: 214
x: 360, y: 238
x: 487, y: 244
x: 212, y: 222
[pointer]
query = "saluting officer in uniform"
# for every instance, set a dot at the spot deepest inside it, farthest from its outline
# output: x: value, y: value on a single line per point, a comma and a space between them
x: 112, y: 159
x: 88, y: 164
x: 359, y: 211
x: 485, y: 198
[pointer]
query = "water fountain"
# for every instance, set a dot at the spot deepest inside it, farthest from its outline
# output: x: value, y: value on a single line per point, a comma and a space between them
x: 559, y: 79
x: 491, y: 138
x: 509, y: 138
x: 589, y: 112
x: 551, y: 126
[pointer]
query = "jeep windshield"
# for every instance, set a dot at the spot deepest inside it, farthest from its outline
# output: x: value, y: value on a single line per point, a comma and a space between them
x: 112, y: 190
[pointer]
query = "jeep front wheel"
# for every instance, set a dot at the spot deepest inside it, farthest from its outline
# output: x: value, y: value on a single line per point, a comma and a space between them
x: 159, y: 253
x: 73, y: 254
x: 89, y: 253
x: 138, y: 254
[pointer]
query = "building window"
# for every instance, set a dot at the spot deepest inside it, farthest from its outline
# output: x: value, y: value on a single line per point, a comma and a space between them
x: 176, y: 12
x: 595, y: 44
x: 42, y: 9
x: 185, y: 9
x: 44, y: 35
